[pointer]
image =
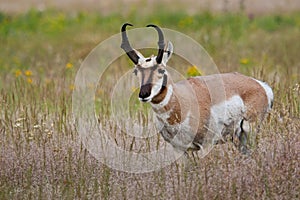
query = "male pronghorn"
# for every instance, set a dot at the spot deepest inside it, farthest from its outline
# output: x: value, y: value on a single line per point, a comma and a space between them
x: 189, y: 113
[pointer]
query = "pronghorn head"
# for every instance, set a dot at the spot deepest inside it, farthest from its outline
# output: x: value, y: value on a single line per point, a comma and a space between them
x: 151, y: 71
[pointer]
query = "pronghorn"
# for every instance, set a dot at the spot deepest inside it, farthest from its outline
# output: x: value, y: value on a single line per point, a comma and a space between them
x: 187, y: 114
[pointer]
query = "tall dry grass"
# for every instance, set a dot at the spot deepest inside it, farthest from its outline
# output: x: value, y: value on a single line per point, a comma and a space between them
x: 41, y: 156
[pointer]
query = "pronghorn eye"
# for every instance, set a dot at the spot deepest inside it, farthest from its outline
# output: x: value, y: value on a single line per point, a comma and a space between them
x: 135, y: 71
x: 161, y: 71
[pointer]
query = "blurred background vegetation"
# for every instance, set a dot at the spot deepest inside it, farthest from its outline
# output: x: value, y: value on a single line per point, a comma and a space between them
x: 45, y: 40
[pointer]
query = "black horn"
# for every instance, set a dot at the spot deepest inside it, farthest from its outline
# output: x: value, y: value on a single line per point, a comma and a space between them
x: 126, y: 46
x: 161, y: 43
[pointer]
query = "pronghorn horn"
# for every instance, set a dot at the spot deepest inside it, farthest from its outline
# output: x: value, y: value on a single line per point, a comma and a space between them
x: 126, y: 46
x: 161, y: 43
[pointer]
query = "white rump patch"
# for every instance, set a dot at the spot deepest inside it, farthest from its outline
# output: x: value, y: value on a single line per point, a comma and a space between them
x: 268, y: 91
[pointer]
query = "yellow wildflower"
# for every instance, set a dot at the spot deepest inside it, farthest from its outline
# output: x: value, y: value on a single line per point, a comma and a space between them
x: 244, y: 61
x: 69, y: 65
x: 193, y: 71
x: 18, y: 73
x: 28, y: 73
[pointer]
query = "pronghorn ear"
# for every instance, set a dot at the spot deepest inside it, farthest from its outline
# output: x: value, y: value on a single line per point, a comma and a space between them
x: 167, y: 53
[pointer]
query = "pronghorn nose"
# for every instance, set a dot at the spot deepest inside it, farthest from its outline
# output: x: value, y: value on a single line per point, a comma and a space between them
x: 145, y: 91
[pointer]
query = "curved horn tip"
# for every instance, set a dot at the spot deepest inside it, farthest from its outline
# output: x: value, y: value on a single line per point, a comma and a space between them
x: 124, y: 26
x: 161, y: 43
x: 152, y: 25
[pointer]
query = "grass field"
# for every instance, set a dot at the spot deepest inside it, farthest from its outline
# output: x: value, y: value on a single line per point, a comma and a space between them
x: 41, y: 155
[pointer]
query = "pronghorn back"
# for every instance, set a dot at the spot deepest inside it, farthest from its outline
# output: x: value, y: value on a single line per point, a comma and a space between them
x: 255, y: 94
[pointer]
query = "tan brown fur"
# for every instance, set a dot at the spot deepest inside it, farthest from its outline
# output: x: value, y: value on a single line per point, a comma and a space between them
x: 253, y: 95
x: 248, y: 89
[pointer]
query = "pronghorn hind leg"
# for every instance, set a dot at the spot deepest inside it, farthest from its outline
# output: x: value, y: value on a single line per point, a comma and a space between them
x: 243, y: 135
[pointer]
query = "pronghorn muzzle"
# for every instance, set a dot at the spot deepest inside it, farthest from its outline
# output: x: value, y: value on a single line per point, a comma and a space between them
x: 145, y: 91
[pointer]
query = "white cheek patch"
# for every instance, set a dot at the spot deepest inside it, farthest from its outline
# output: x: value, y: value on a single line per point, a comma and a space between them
x: 156, y: 88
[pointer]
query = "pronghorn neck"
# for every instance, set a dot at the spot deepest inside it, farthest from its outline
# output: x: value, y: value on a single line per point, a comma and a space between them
x: 165, y: 94
x: 162, y: 93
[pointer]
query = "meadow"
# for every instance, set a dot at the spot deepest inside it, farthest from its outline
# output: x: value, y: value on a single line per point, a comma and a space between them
x: 41, y: 156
